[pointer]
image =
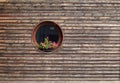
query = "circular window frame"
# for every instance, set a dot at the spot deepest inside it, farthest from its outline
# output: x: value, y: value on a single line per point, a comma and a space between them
x: 59, y: 30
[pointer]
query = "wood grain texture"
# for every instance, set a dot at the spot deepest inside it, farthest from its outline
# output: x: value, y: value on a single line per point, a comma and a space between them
x: 90, y: 48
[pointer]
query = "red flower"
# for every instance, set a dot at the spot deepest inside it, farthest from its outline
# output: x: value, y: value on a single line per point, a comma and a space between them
x: 47, y: 37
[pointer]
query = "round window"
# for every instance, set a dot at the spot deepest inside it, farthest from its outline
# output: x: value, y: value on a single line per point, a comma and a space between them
x: 47, y: 36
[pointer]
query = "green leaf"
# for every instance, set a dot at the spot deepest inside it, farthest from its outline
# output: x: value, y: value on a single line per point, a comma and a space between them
x: 47, y: 43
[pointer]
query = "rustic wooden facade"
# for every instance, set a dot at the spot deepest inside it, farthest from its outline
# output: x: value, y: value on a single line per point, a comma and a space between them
x: 90, y: 48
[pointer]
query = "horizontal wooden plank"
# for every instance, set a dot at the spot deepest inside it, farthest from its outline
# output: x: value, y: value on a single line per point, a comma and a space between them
x: 28, y: 4
x: 71, y: 18
x: 59, y: 14
x: 70, y: 1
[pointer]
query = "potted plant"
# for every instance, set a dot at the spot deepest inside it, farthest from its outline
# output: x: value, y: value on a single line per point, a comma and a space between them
x: 47, y: 45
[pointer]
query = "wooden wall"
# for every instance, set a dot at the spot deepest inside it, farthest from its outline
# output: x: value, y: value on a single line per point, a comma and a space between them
x: 90, y: 49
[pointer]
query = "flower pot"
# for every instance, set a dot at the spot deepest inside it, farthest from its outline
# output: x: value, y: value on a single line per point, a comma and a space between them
x: 47, y: 50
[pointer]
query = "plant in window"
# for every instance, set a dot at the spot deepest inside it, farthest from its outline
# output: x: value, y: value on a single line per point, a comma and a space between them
x: 47, y: 44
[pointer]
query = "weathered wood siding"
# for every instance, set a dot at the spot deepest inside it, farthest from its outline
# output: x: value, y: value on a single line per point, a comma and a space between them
x: 90, y: 49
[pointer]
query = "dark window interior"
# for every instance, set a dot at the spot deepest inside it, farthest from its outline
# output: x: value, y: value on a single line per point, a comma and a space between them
x: 47, y: 31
